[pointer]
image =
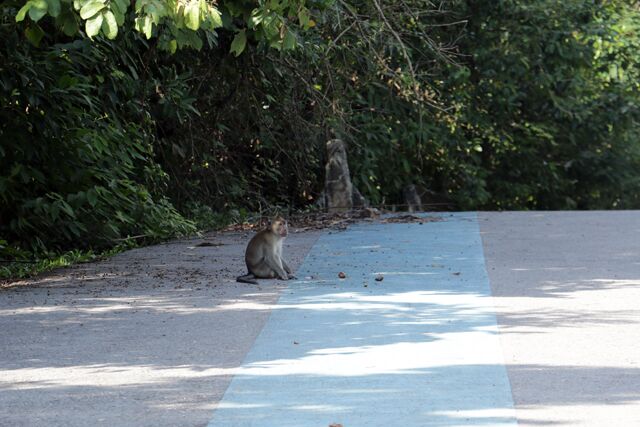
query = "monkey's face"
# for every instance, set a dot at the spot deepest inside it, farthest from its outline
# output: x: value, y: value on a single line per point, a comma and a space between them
x: 279, y: 227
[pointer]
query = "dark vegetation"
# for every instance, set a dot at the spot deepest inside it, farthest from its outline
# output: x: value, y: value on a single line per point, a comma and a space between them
x: 487, y: 104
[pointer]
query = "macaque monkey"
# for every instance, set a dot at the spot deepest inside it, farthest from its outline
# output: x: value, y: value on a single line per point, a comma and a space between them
x: 264, y: 254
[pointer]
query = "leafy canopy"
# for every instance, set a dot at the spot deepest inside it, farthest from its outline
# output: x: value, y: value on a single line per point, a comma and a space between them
x: 177, y: 23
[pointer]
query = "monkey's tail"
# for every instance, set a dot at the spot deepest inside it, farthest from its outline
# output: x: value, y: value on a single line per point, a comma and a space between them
x: 247, y: 278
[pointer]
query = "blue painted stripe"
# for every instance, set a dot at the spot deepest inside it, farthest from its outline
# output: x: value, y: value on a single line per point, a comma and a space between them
x: 419, y: 348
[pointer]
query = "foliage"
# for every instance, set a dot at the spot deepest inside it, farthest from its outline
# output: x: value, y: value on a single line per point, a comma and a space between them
x: 76, y: 161
x: 256, y: 141
x: 266, y: 116
x: 384, y: 102
x: 176, y: 23
x: 491, y: 104
x: 206, y: 219
x: 549, y: 101
x: 50, y: 261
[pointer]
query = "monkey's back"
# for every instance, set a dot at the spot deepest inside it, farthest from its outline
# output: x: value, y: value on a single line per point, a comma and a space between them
x: 256, y: 249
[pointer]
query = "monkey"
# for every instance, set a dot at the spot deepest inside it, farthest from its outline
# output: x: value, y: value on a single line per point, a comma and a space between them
x: 264, y: 254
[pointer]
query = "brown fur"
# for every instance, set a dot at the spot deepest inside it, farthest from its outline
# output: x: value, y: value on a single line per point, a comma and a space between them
x: 264, y: 254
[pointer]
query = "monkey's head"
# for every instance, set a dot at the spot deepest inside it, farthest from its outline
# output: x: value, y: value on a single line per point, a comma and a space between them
x: 279, y: 227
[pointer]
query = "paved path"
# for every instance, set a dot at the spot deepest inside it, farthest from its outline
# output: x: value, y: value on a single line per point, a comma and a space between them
x: 566, y: 286
x: 148, y: 338
x: 418, y: 348
x: 163, y: 336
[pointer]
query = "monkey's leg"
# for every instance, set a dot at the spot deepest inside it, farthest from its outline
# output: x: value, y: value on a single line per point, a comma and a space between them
x: 247, y: 278
x: 276, y: 266
x: 263, y: 271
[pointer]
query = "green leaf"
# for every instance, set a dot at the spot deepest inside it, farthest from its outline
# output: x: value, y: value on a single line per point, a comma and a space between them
x: 54, y: 7
x: 192, y: 16
x: 93, y: 25
x: 121, y: 5
x: 118, y: 12
x: 196, y: 43
x: 119, y: 18
x: 67, y: 208
x: 303, y: 17
x: 92, y: 197
x: 109, y: 25
x: 290, y: 41
x: 144, y: 24
x: 34, y: 34
x: 23, y: 12
x: 70, y: 25
x: 216, y: 18
x: 239, y: 42
x: 154, y: 12
x: 147, y: 26
x: 173, y: 46
x: 139, y: 24
x: 256, y: 18
x: 38, y: 9
x: 91, y: 8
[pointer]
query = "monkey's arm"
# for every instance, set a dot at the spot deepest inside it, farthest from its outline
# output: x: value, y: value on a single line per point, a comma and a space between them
x: 277, y: 267
x: 285, y: 266
x: 287, y: 269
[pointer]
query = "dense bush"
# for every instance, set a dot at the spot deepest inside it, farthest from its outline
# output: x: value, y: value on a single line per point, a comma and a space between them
x: 256, y: 141
x: 549, y: 97
x: 77, y: 162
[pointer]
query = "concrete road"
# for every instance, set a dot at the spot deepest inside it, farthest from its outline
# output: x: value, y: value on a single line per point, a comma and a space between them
x: 566, y: 286
x: 487, y: 319
x: 148, y: 338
